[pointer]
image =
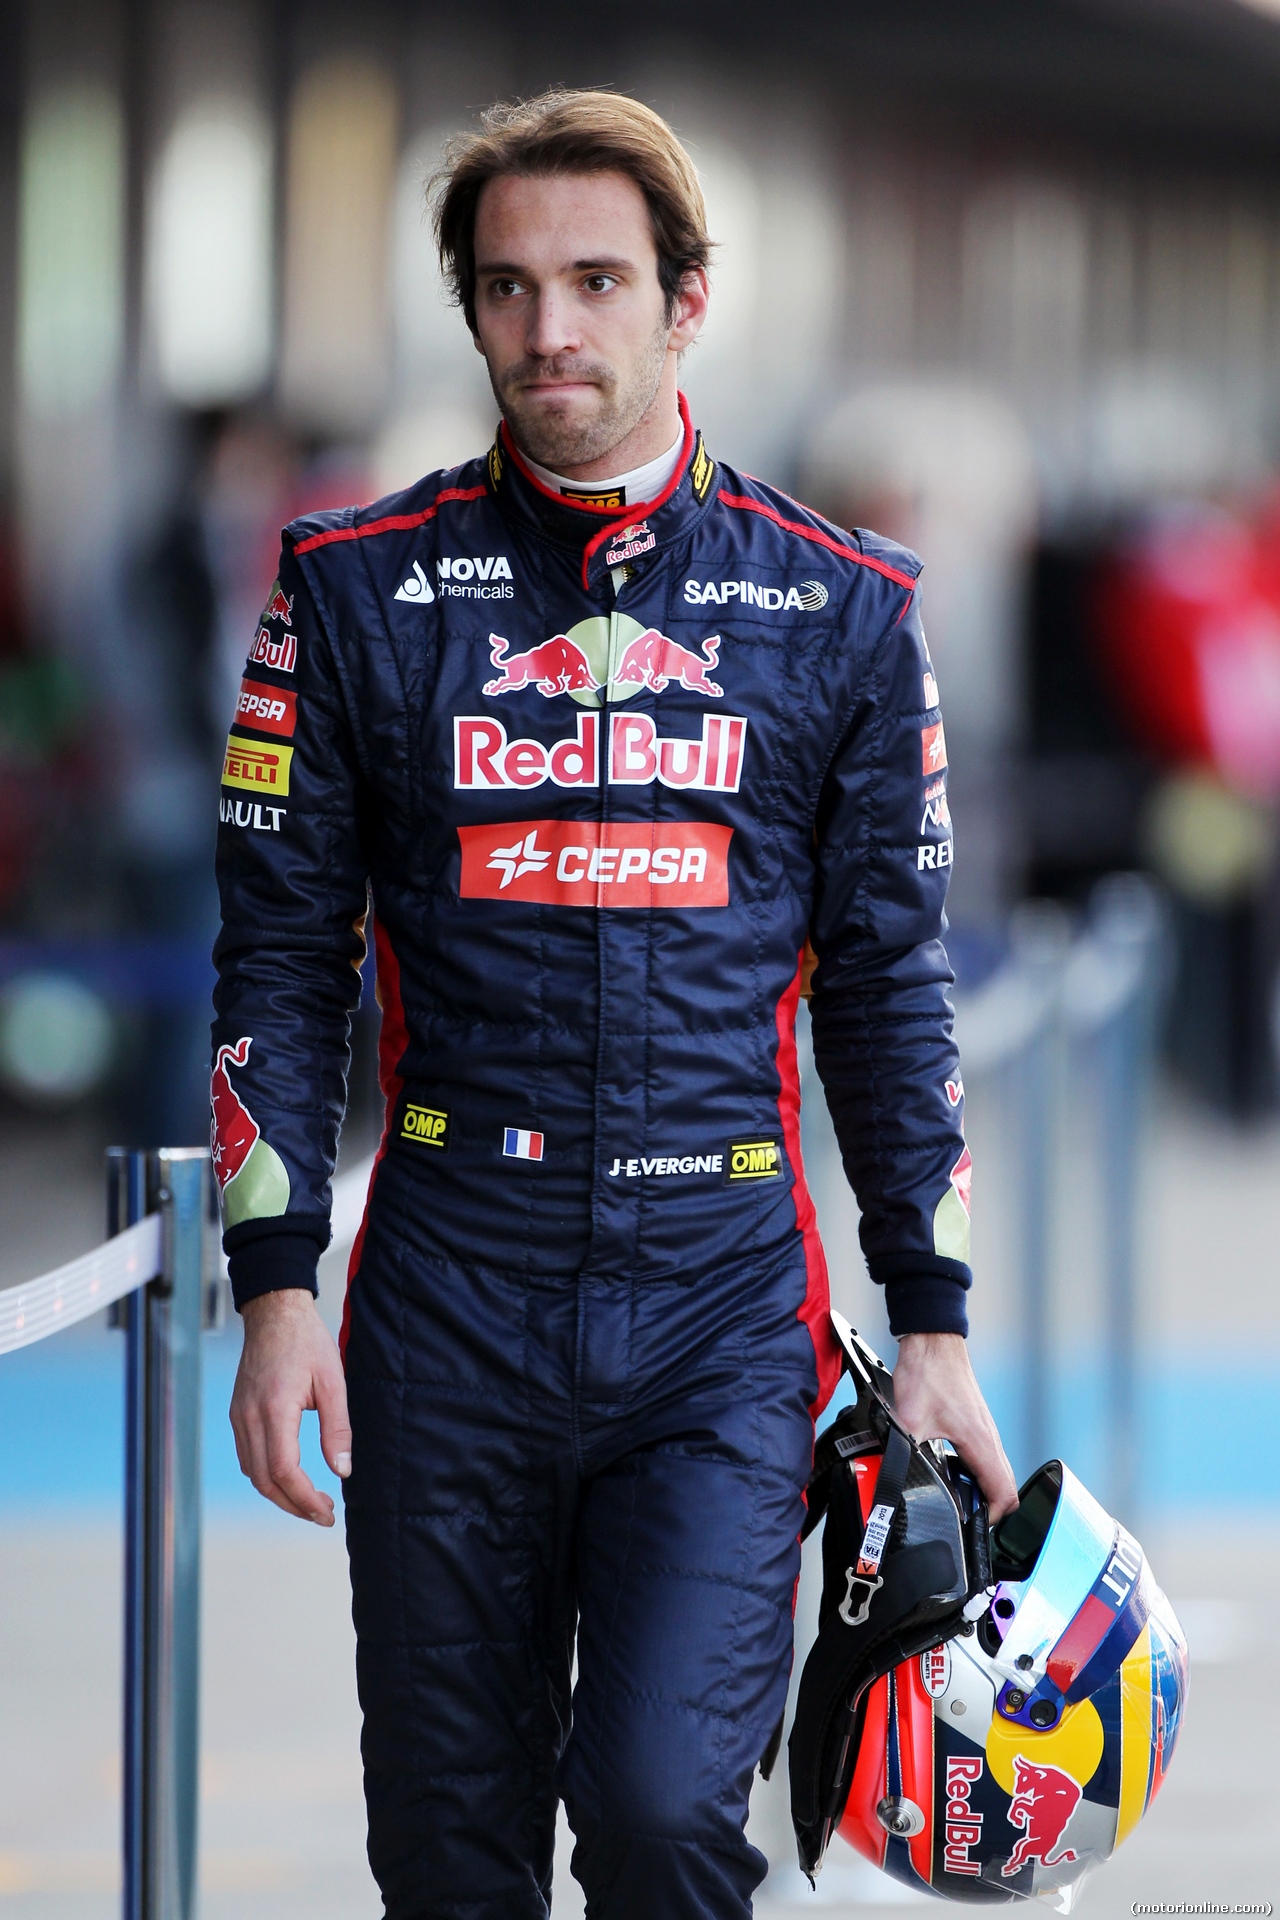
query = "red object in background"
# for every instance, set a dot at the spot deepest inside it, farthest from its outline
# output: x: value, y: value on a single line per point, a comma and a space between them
x: 1189, y: 619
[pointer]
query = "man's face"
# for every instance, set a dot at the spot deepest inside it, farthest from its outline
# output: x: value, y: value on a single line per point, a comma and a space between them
x: 570, y: 315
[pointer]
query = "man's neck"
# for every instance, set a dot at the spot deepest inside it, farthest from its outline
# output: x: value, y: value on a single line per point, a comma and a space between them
x: 632, y: 484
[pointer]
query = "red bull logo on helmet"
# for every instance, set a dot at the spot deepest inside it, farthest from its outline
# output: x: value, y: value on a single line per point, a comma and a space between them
x: 1044, y: 1799
x: 594, y: 863
x: 962, y: 1830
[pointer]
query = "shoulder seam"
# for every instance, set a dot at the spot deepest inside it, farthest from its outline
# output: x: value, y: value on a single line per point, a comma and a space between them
x: 741, y: 501
x: 394, y: 522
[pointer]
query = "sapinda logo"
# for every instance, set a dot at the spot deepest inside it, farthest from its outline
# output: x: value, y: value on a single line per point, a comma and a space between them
x: 483, y: 756
x: 593, y: 863
x: 809, y: 597
x: 267, y: 709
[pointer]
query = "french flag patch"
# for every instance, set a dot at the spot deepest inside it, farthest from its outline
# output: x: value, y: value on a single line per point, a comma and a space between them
x: 519, y: 1145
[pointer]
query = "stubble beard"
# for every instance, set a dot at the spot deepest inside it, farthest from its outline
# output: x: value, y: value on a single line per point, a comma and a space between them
x: 563, y: 439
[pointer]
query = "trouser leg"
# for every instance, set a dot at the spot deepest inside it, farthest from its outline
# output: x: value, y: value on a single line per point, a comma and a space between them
x: 687, y: 1562
x: 459, y: 1526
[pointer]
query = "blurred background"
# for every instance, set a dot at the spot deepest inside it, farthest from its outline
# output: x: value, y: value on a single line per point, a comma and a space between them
x: 1001, y: 281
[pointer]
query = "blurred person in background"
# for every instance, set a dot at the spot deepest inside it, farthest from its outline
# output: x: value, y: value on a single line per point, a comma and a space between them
x: 193, y: 585
x: 608, y: 732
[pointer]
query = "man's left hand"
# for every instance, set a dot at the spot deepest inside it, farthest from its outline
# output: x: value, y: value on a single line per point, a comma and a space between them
x: 937, y: 1398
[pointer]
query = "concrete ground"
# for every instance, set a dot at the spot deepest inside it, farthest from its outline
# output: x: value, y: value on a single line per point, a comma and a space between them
x: 281, y: 1819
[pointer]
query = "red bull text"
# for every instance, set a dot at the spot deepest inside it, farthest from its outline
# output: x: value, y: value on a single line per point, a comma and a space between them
x: 280, y: 654
x: 963, y: 1828
x: 483, y: 756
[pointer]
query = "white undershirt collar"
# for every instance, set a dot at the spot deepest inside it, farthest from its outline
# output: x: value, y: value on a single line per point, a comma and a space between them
x: 640, y: 484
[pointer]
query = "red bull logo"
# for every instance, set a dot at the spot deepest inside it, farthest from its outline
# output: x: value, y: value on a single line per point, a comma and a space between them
x: 483, y: 756
x: 233, y: 1132
x: 962, y: 1829
x: 652, y: 660
x: 594, y: 863
x: 555, y: 666
x: 278, y: 607
x: 281, y: 655
x: 1044, y: 1799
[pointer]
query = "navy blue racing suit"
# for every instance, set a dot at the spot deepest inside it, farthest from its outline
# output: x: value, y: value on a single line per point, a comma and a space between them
x: 603, y: 778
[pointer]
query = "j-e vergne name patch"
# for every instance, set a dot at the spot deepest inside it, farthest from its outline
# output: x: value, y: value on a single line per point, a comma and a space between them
x: 423, y: 1125
x: 752, y: 1160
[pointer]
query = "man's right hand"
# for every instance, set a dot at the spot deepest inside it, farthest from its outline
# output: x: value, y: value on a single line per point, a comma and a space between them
x: 289, y: 1362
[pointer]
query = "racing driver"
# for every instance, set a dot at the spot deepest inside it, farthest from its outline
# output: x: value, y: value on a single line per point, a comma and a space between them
x: 604, y: 741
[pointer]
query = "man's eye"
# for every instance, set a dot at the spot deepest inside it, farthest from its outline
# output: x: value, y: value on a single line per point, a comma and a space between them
x: 504, y: 289
x: 599, y: 282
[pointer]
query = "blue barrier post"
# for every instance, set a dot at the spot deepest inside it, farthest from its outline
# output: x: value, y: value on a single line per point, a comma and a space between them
x: 162, y: 1323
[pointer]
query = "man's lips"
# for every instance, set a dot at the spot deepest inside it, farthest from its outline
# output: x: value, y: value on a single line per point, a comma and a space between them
x: 549, y: 389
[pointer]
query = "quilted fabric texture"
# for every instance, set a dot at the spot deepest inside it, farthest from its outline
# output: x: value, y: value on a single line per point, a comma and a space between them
x: 601, y: 779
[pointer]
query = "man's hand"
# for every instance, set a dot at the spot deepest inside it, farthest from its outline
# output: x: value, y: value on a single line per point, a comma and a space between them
x: 289, y: 1362
x: 937, y: 1398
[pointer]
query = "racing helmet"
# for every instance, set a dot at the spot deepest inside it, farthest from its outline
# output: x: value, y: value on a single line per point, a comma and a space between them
x: 998, y: 1735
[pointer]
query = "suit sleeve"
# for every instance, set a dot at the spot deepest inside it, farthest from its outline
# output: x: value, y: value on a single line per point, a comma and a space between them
x: 881, y: 1017
x: 292, y: 879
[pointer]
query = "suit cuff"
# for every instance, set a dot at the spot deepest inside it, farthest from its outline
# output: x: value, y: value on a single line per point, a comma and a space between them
x: 924, y: 1293
x: 270, y: 1256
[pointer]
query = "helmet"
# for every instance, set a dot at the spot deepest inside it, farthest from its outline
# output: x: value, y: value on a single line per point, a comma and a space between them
x: 985, y: 1716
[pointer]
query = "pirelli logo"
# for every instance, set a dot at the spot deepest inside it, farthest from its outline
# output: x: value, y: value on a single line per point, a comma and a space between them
x: 425, y: 1126
x: 752, y: 1160
x: 256, y: 767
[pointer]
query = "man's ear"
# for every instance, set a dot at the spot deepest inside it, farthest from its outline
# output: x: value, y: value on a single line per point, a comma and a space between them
x: 692, y: 302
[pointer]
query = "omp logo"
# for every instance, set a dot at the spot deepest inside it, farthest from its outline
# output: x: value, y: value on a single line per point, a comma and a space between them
x: 425, y: 1126
x: 256, y: 768
x: 809, y: 597
x: 280, y: 655
x: 593, y: 863
x: 752, y: 1160
x: 268, y: 709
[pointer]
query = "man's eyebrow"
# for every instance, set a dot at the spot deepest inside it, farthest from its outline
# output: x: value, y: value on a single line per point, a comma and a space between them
x: 610, y: 263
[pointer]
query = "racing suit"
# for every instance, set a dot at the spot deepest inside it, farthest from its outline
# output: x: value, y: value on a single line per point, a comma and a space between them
x: 599, y: 776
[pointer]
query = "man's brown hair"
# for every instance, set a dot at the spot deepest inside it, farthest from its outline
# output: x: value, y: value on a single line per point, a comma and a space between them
x: 571, y: 130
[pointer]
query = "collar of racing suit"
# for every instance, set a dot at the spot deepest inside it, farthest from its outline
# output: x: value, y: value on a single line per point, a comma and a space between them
x: 605, y: 534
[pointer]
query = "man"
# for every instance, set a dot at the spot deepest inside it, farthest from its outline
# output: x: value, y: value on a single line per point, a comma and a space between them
x: 608, y: 731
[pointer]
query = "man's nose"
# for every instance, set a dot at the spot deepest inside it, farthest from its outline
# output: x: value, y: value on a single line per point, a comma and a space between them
x: 552, y: 328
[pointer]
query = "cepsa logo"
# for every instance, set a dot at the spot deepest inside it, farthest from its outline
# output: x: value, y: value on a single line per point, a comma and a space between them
x: 933, y: 749
x: 484, y: 757
x: 257, y: 768
x: 592, y: 863
x: 268, y: 709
